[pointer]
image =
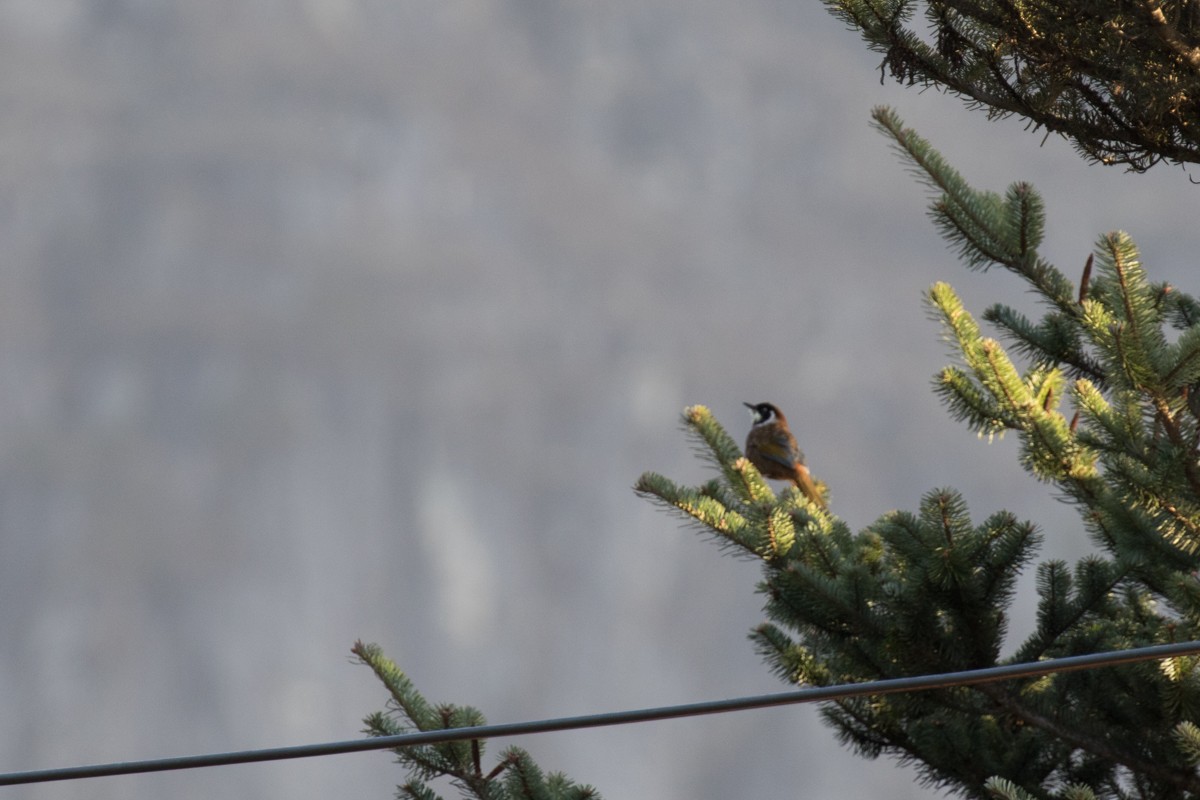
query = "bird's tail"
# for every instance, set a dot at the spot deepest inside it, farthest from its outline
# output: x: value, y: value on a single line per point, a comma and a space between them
x: 804, y: 483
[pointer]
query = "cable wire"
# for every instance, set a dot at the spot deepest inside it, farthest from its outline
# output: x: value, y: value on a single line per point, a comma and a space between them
x: 808, y: 695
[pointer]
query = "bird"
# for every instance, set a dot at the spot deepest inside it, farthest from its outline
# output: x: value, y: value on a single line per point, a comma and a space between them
x: 772, y: 448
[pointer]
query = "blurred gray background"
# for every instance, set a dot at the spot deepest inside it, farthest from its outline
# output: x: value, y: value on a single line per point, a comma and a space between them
x: 332, y: 319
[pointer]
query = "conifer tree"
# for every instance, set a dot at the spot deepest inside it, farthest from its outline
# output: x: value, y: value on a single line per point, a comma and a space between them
x: 1120, y: 78
x: 1104, y: 397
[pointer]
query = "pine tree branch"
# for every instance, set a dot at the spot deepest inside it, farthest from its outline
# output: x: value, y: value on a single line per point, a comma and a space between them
x: 1087, y: 600
x: 1169, y: 33
x: 872, y: 737
x: 1191, y: 468
x: 1184, y: 780
x: 1187, y: 365
x: 1117, y: 79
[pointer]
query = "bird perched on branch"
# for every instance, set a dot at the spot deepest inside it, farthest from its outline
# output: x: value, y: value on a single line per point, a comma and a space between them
x: 772, y: 448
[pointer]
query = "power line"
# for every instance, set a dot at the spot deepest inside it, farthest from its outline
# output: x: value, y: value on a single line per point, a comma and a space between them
x: 809, y: 695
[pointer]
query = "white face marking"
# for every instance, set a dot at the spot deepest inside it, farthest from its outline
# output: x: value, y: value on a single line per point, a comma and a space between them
x: 762, y: 415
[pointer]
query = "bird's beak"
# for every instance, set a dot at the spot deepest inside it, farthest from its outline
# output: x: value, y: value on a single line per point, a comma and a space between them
x: 749, y: 406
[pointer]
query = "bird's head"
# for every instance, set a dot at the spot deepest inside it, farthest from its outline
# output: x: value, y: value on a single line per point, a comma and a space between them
x: 764, y: 413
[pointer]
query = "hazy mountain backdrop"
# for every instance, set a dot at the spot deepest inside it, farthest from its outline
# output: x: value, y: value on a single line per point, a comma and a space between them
x: 336, y: 319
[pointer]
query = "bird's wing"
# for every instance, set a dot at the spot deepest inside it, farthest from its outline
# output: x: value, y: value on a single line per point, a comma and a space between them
x: 781, y: 453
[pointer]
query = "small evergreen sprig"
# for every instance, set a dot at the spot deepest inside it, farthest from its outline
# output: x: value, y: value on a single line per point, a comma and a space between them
x: 514, y: 777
